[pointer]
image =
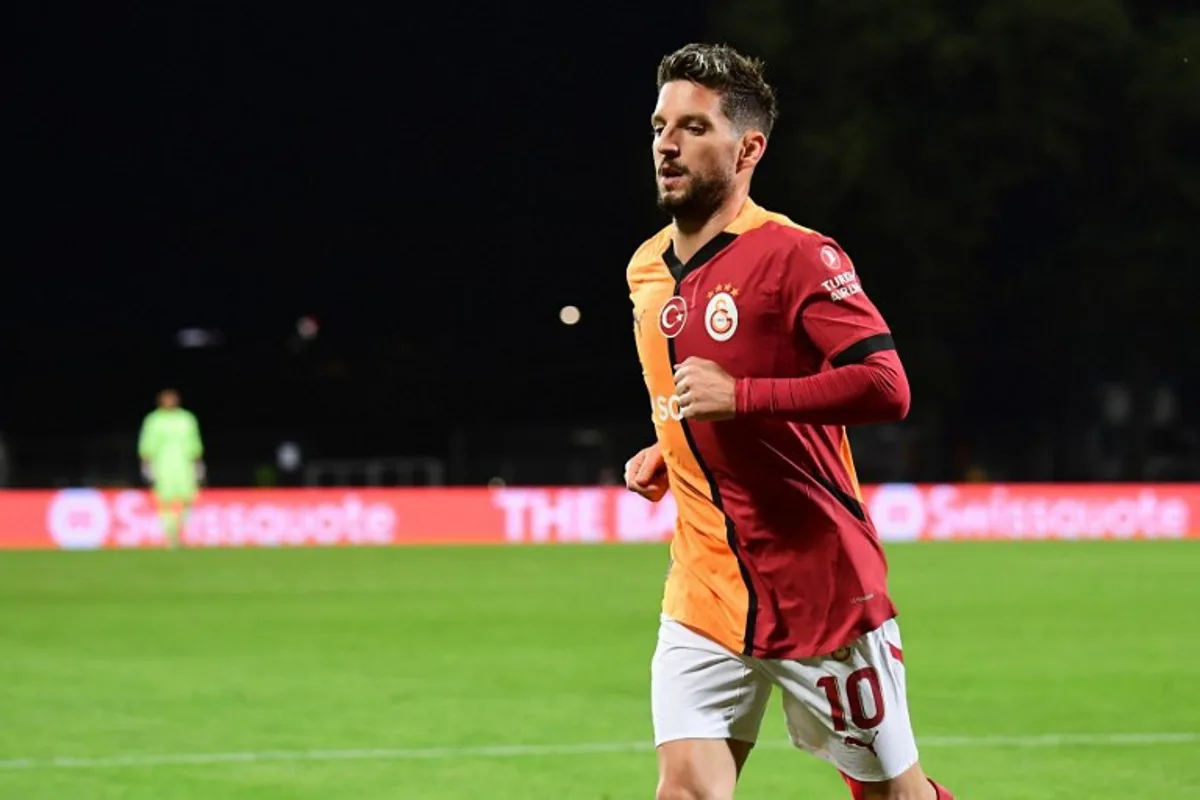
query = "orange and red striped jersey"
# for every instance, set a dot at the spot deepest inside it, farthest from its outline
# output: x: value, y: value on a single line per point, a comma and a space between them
x: 773, y: 554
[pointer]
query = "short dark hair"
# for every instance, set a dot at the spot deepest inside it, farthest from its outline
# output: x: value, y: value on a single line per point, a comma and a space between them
x: 746, y: 97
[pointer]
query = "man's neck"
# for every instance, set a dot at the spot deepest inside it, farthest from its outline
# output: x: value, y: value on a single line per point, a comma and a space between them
x: 689, y: 237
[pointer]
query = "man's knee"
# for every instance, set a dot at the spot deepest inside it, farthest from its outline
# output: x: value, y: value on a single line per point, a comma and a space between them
x: 912, y: 785
x: 698, y: 769
x: 688, y: 789
x: 894, y: 793
x: 674, y: 791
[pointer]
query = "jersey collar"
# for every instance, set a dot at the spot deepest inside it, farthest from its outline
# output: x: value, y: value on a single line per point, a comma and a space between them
x: 746, y: 219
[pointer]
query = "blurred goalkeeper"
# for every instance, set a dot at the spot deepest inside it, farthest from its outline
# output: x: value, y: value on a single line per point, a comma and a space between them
x: 172, y: 461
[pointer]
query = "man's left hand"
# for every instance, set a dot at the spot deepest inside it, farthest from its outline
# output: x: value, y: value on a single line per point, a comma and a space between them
x: 705, y: 390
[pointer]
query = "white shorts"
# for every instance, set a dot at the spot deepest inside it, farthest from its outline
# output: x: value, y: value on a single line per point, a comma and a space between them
x: 849, y: 708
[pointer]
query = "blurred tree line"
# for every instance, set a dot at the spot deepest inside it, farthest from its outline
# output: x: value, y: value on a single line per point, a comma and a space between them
x: 1018, y: 181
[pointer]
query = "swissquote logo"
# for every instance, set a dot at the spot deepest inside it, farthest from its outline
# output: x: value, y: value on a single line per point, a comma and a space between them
x: 898, y: 511
x: 721, y: 315
x: 79, y: 519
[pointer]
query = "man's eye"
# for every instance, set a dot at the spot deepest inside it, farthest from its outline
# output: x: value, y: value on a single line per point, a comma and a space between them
x: 657, y: 130
x: 696, y: 130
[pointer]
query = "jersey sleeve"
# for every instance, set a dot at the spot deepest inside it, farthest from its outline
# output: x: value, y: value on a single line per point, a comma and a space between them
x: 825, y: 303
x: 148, y: 439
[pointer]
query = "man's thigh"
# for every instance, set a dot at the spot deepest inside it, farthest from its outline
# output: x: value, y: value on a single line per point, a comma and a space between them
x: 701, y: 690
x: 174, y: 486
x: 851, y: 708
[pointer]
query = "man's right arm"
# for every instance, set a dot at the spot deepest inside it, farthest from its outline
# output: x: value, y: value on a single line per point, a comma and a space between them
x: 150, y: 438
x: 646, y: 474
x: 147, y: 445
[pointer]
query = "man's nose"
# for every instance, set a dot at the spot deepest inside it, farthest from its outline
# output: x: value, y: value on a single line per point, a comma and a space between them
x: 668, y: 150
x: 667, y: 144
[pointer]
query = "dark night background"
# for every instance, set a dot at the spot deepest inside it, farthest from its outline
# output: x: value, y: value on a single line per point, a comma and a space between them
x: 1018, y: 182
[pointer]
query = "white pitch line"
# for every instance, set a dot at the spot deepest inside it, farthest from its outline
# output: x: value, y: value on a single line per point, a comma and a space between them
x: 1045, y: 740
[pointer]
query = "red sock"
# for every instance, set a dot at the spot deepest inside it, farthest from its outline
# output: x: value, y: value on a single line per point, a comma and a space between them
x: 856, y: 788
x: 942, y: 792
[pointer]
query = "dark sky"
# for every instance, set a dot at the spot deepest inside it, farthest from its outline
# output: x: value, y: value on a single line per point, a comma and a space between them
x: 450, y: 171
x: 433, y: 183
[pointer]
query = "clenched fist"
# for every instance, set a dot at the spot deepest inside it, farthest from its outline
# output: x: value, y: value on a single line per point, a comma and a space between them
x: 706, y: 391
x: 646, y: 474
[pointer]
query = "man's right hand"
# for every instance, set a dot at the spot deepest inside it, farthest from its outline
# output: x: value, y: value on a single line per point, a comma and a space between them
x: 646, y: 474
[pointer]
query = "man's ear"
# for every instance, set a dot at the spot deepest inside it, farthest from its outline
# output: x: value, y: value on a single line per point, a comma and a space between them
x: 753, y: 147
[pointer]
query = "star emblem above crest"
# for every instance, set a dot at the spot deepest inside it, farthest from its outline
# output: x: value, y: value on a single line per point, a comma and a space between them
x: 728, y: 288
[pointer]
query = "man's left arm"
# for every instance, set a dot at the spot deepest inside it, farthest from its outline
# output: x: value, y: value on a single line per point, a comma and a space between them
x: 825, y: 302
x: 196, y: 448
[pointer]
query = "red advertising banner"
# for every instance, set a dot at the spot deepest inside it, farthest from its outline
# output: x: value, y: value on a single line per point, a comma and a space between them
x: 86, y: 519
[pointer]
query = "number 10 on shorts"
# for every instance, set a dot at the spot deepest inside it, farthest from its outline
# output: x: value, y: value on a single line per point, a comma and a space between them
x: 854, y: 699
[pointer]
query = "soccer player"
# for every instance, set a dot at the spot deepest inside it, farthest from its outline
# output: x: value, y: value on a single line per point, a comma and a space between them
x: 172, y: 461
x: 758, y: 345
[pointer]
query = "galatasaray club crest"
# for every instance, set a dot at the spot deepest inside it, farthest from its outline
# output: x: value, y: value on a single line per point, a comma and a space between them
x: 672, y: 317
x: 721, y: 316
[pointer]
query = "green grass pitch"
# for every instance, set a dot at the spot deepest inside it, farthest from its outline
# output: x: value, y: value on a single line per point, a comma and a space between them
x: 1036, y: 670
